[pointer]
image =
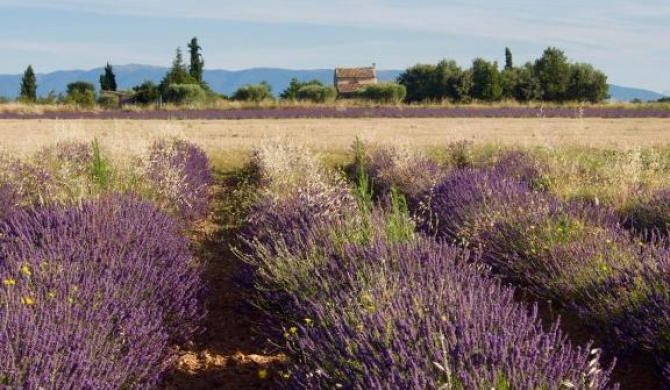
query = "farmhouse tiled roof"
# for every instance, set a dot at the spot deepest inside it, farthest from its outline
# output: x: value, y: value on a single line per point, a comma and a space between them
x: 360, y: 73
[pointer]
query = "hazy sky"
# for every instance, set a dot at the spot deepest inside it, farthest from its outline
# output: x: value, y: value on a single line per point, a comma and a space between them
x: 628, y: 40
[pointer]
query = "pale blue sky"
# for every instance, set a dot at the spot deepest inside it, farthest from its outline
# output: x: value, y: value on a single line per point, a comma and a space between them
x: 628, y: 40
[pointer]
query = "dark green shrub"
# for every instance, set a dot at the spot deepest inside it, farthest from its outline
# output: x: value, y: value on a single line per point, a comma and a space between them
x: 51, y: 98
x: 108, y: 101
x: 185, y: 94
x: 146, y: 93
x: 80, y: 93
x: 317, y: 93
x: 253, y: 93
x: 383, y: 93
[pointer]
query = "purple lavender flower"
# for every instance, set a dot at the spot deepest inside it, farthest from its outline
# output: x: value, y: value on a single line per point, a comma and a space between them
x: 634, y: 306
x: 524, y: 167
x: 94, y: 295
x: 420, y: 315
x: 651, y: 214
x: 470, y: 202
x: 8, y: 199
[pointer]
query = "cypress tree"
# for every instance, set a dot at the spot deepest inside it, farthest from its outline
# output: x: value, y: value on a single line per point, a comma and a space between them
x: 509, y: 64
x: 108, y: 80
x: 29, y: 85
x: 197, y: 64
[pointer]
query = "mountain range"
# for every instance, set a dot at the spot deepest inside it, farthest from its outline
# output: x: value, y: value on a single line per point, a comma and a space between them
x: 227, y: 81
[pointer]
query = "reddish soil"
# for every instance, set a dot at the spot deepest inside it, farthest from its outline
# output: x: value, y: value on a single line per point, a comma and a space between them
x: 229, y: 354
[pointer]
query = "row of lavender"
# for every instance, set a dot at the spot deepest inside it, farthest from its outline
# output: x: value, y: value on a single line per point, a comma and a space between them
x: 98, y: 280
x: 611, y: 267
x: 362, y: 301
x: 358, y: 112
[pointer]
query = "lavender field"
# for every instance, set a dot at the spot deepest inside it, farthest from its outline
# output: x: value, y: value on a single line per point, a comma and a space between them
x: 432, y: 273
x: 466, y: 266
x: 350, y: 112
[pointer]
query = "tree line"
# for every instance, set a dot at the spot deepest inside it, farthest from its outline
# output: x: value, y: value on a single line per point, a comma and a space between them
x: 552, y: 77
x: 181, y: 84
x: 549, y: 78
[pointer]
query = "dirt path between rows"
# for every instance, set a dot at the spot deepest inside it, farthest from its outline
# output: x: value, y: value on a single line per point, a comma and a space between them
x: 230, y: 353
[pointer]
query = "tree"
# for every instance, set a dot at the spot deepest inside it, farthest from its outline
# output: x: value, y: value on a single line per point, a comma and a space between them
x: 552, y: 71
x: 176, y: 75
x: 383, y: 93
x: 108, y: 80
x: 312, y: 90
x: 28, y: 85
x: 446, y: 81
x: 197, y: 63
x: 587, y: 84
x: 509, y: 63
x: 464, y: 87
x: 434, y: 82
x: 254, y: 93
x: 520, y: 84
x: 317, y: 93
x: 419, y: 82
x: 81, y: 93
x: 146, y: 93
x: 291, y: 92
x: 485, y: 80
x: 185, y: 94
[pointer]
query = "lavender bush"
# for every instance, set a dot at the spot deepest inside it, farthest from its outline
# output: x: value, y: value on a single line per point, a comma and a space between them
x: 524, y: 167
x: 649, y: 215
x: 410, y: 172
x: 8, y: 199
x: 180, y: 175
x: 360, y: 311
x: 94, y: 295
x: 634, y: 306
x: 471, y: 201
x: 558, y: 256
x: 420, y: 315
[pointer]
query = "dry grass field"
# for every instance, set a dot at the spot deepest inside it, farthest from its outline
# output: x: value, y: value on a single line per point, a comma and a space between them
x: 228, y: 141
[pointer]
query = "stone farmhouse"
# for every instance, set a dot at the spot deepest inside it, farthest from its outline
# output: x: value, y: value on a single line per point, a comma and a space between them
x: 348, y: 80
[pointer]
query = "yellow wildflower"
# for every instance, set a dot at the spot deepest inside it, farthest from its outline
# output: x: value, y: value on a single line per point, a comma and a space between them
x: 262, y: 373
x: 27, y: 301
x: 9, y: 282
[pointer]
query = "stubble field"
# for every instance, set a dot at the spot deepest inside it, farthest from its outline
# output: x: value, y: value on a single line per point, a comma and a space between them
x: 230, y: 138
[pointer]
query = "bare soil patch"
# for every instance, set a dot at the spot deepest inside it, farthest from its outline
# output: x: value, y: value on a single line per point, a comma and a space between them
x: 231, y: 353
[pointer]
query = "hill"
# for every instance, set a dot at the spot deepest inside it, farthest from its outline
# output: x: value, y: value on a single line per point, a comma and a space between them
x: 624, y: 94
x: 226, y: 81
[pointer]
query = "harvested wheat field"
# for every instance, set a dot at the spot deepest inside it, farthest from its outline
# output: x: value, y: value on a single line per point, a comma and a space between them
x: 28, y: 136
